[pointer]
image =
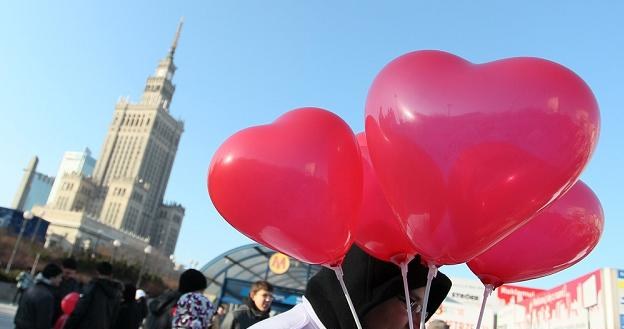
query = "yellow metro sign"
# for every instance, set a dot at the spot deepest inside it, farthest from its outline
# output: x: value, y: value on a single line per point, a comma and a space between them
x: 279, y: 263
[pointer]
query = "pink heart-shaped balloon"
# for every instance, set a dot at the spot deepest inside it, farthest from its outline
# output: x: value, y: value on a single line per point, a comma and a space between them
x: 467, y: 153
x: 379, y: 231
x: 294, y: 185
x: 557, y: 237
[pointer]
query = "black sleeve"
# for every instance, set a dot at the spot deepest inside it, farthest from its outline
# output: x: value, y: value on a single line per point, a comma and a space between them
x: 81, y: 309
x: 44, y: 311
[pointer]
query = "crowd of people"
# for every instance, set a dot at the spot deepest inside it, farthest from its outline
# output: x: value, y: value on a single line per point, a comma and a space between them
x: 56, y: 299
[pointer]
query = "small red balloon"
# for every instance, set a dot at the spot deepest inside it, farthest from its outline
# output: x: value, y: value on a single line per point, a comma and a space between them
x: 294, y: 185
x: 556, y: 238
x: 68, y: 303
x: 467, y: 153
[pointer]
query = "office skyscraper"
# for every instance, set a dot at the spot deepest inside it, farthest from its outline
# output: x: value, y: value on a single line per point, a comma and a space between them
x: 73, y: 163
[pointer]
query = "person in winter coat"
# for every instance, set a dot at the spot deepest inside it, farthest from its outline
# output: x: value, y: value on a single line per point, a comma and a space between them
x: 193, y: 310
x: 24, y: 281
x: 217, y: 317
x: 160, y: 310
x: 69, y: 284
x: 36, y: 307
x: 141, y: 299
x: 99, y: 304
x: 256, y: 309
x: 376, y: 290
x: 130, y: 313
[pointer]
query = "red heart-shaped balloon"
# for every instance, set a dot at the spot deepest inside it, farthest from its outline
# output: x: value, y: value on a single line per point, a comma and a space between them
x: 467, y: 153
x: 294, y: 185
x: 557, y: 237
x: 379, y: 231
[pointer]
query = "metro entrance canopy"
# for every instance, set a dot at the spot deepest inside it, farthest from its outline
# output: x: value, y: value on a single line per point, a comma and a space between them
x: 252, y: 263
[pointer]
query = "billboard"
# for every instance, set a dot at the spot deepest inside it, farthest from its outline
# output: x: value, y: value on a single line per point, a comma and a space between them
x: 620, y: 296
x: 35, y: 229
x: 576, y: 304
x: 511, y: 294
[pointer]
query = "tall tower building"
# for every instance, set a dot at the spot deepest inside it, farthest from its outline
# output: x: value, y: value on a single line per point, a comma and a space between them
x: 137, y: 156
x: 123, y: 197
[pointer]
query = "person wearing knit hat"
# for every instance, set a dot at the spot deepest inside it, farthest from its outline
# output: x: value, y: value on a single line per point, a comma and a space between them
x: 376, y: 290
x: 193, y: 310
x: 36, y: 308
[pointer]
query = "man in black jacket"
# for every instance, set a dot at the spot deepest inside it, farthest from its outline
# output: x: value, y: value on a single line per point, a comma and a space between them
x: 36, y: 307
x: 98, y: 306
x: 256, y: 310
x: 69, y: 284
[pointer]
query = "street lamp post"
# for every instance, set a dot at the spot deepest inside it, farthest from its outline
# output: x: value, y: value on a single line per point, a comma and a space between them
x: 146, y: 251
x: 26, y: 217
x: 33, y: 269
x: 116, y: 245
x: 171, y: 271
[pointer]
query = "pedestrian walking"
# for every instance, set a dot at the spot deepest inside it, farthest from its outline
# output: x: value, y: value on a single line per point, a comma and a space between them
x: 69, y: 284
x: 160, y: 310
x: 141, y: 299
x: 130, y: 311
x: 24, y: 281
x: 36, y: 307
x: 256, y: 309
x: 193, y: 310
x: 99, y: 304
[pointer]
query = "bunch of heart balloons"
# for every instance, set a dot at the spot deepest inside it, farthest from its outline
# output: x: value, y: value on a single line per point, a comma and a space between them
x: 459, y: 163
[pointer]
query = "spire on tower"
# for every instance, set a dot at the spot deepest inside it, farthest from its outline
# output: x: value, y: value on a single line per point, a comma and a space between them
x: 177, y: 37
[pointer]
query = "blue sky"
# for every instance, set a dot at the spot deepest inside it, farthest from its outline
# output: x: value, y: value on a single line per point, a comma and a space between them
x: 244, y: 63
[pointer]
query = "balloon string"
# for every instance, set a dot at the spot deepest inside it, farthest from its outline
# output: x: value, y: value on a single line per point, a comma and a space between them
x: 486, y: 293
x: 433, y: 271
x: 339, y: 275
x: 403, y: 266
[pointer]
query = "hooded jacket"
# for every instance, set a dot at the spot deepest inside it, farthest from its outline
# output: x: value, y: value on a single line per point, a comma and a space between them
x: 97, y: 307
x: 160, y: 310
x: 370, y: 282
x: 36, y: 307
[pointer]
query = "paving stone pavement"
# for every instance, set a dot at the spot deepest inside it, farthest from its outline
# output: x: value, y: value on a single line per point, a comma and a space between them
x: 7, y: 311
